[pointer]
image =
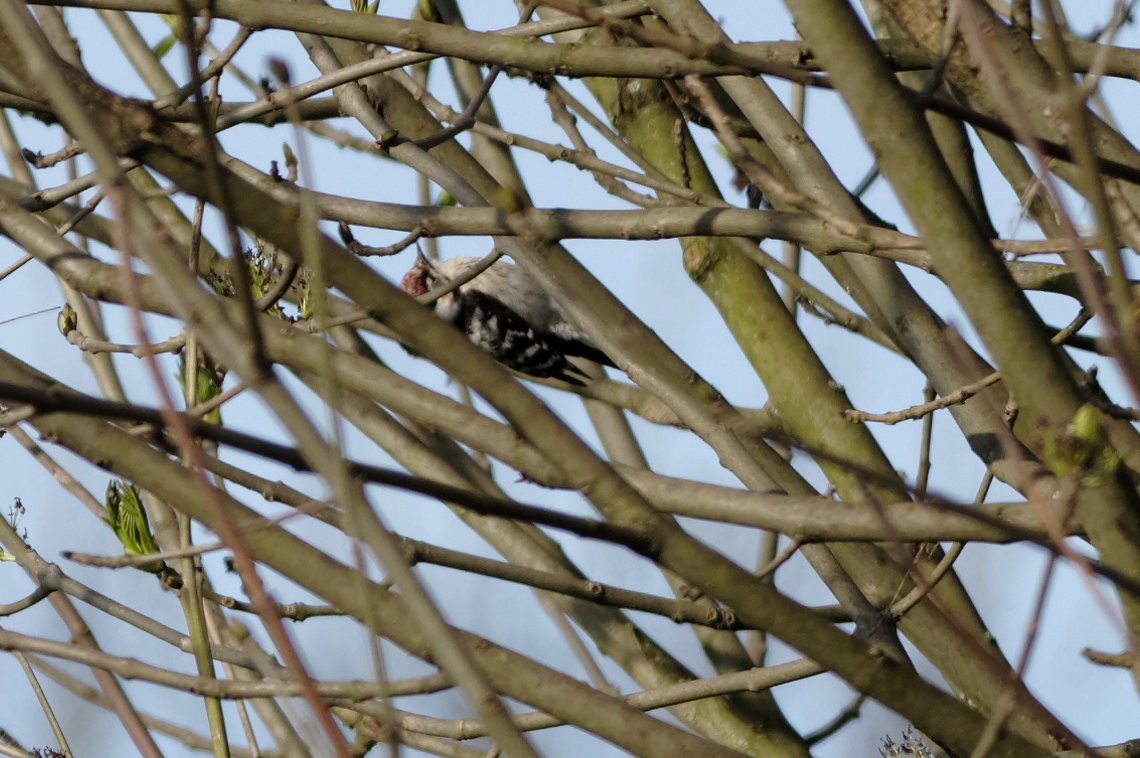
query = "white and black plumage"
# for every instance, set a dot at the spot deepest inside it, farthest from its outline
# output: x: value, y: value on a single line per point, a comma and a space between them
x: 506, y: 313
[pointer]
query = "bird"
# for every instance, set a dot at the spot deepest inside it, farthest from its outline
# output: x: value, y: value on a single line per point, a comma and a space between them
x: 507, y: 314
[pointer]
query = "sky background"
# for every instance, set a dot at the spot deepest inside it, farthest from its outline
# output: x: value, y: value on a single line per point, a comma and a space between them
x: 1100, y: 704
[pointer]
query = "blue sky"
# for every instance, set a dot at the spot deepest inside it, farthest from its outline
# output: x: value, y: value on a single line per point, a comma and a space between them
x: 1100, y: 704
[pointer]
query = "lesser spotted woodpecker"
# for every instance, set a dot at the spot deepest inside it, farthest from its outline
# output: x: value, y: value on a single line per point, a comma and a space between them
x: 507, y: 314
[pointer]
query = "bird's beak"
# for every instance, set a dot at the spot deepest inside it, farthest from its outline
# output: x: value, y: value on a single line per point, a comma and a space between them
x: 423, y: 264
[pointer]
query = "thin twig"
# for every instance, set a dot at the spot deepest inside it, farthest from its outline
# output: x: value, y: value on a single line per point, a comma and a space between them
x: 962, y: 394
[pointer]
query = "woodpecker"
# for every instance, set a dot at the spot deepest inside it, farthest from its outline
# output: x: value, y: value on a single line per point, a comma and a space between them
x: 505, y: 312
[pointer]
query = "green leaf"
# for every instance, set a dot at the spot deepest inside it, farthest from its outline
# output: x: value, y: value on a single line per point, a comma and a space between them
x: 425, y: 10
x: 67, y: 320
x: 164, y: 46
x: 1082, y: 451
x: 127, y: 519
x: 208, y: 383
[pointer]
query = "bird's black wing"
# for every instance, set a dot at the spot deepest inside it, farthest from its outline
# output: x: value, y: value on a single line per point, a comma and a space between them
x: 513, y: 341
x: 583, y: 349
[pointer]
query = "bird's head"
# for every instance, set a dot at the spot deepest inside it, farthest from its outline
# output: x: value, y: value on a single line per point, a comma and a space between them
x: 420, y: 278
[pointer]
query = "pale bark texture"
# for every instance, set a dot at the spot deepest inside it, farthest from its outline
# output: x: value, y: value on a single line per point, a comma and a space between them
x: 280, y: 507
